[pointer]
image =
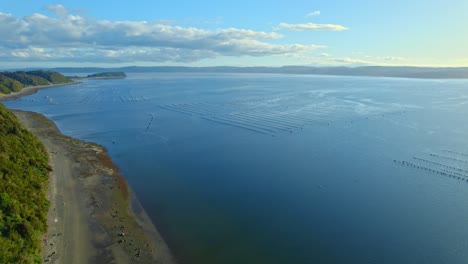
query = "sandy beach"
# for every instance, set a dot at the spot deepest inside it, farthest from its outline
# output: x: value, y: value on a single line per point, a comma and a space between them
x: 90, y: 218
x: 30, y: 90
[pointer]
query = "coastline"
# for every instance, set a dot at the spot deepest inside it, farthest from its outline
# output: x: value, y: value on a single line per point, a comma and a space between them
x: 91, y: 219
x: 98, y: 78
x: 31, y: 90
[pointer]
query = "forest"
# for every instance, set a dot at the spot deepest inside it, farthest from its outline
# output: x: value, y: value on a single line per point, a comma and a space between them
x: 11, y: 82
x: 108, y: 75
x: 24, y: 173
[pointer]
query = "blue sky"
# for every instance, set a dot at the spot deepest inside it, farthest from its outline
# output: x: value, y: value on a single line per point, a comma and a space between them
x: 239, y: 33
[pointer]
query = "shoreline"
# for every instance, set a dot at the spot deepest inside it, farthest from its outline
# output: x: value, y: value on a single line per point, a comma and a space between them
x: 97, y: 78
x: 31, y: 90
x: 91, y: 219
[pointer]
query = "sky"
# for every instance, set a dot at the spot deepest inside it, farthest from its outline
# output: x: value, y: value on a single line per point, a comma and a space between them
x: 118, y: 33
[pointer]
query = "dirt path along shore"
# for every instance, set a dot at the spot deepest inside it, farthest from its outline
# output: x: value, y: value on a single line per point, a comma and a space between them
x: 90, y: 218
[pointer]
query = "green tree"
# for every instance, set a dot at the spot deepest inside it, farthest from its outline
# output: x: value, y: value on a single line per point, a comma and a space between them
x: 24, y: 172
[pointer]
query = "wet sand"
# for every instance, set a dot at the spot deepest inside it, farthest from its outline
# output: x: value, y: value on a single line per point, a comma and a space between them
x: 30, y: 90
x: 90, y: 218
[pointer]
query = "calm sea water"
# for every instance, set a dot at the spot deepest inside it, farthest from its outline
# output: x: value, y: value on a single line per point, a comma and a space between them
x: 248, y: 168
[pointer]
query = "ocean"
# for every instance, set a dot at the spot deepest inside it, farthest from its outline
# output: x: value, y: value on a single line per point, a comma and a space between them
x: 273, y: 168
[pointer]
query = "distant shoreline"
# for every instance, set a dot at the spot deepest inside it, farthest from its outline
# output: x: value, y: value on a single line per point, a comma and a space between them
x: 31, y: 90
x: 101, y: 76
x: 361, y: 71
x: 97, y: 78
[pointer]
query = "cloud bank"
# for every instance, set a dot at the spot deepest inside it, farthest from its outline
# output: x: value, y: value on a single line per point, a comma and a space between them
x: 311, y: 27
x: 70, y: 37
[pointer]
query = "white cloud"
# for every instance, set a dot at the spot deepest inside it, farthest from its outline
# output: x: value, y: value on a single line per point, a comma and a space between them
x: 324, y: 54
x: 67, y: 36
x: 313, y: 13
x: 58, y: 10
x: 348, y: 60
x: 369, y: 60
x: 30, y: 53
x: 386, y: 58
x: 311, y: 27
x: 394, y: 58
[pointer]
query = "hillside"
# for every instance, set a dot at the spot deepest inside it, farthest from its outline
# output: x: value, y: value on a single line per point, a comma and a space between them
x: 24, y: 172
x: 11, y: 82
x: 9, y: 85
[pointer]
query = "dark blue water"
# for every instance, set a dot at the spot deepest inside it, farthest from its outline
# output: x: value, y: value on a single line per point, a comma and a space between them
x: 282, y: 168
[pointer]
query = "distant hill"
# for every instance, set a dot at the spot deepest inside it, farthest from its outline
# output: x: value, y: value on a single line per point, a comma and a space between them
x: 371, y: 71
x: 11, y: 82
x: 108, y: 75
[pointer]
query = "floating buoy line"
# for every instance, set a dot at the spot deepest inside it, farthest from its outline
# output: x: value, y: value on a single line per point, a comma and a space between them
x: 435, y: 165
x: 149, y: 123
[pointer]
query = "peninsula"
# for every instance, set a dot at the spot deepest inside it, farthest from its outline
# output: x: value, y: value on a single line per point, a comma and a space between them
x: 11, y: 82
x: 20, y: 83
x: 101, y: 75
x: 107, y: 75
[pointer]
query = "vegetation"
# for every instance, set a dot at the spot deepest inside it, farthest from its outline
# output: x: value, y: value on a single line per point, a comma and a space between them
x: 15, y: 81
x: 24, y: 174
x: 108, y: 75
x: 51, y: 76
x: 26, y: 79
x: 8, y: 85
